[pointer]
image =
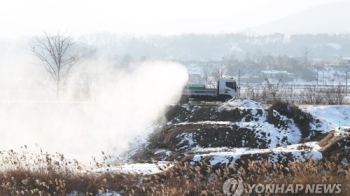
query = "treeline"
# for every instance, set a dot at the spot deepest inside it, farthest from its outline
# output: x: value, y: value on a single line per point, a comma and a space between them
x: 224, y: 54
x: 206, y: 47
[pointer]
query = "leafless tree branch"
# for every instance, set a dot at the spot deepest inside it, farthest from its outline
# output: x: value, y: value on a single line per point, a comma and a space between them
x: 53, y: 52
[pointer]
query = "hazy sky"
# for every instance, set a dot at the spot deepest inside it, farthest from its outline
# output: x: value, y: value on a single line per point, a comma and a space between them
x: 23, y: 17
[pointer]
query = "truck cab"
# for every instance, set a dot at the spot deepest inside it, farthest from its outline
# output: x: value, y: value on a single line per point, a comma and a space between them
x: 227, y: 89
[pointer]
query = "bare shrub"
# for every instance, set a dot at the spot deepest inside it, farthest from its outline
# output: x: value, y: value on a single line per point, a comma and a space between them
x: 267, y: 92
x: 273, y: 91
x: 312, y: 95
x: 254, y: 93
x: 335, y: 95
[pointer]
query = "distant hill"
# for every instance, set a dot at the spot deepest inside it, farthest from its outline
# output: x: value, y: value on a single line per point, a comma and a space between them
x: 327, y: 18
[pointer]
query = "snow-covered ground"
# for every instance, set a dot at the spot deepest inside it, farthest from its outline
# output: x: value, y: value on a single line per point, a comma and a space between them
x: 332, y: 117
x: 141, y: 168
x: 224, y: 155
x: 241, y: 103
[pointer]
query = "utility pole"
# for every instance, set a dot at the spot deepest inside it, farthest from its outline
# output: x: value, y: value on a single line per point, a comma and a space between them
x: 317, y: 77
x: 346, y: 83
x: 323, y: 77
x: 306, y: 57
x: 239, y: 77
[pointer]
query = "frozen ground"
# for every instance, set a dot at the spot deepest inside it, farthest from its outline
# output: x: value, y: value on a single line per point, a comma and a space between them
x: 141, y: 168
x: 331, y: 117
x: 223, y: 156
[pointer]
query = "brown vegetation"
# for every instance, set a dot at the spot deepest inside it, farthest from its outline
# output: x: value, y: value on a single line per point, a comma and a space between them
x: 184, y: 178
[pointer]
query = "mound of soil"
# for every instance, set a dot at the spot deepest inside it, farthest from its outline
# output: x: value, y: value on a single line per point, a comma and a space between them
x: 194, y: 113
x: 301, y: 119
x: 333, y: 146
x: 192, y: 127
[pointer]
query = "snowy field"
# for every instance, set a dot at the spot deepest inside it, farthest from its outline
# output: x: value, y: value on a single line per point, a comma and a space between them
x: 333, y: 116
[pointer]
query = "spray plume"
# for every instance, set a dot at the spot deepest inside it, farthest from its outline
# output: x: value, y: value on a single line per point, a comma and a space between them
x: 118, y: 106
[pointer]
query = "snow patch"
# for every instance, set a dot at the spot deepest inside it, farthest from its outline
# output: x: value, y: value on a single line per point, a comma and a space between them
x: 302, y: 151
x: 140, y: 168
x: 241, y: 104
x: 332, y: 116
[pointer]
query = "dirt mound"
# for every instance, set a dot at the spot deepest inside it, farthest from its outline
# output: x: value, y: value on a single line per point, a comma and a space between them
x: 236, y: 124
x: 301, y: 119
x: 180, y: 139
x: 194, y: 113
x: 333, y: 145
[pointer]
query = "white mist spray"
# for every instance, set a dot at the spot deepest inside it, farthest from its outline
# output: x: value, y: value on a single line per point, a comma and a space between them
x: 120, y: 106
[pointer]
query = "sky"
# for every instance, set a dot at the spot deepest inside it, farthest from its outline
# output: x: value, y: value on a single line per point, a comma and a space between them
x: 162, y: 17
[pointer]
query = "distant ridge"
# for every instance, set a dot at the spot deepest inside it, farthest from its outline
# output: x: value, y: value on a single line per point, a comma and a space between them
x: 331, y: 18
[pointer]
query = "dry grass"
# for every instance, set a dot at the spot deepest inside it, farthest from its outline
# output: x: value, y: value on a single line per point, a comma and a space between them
x: 45, y: 174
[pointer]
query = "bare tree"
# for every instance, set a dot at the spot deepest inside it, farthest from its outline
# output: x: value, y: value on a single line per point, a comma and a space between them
x: 54, y: 53
x: 206, y: 71
x: 219, y: 70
